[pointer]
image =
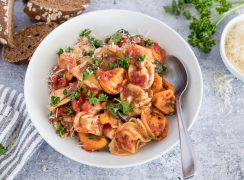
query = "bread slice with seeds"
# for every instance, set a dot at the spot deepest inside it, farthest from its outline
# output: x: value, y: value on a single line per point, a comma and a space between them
x: 6, y: 22
x: 55, y: 11
x: 26, y: 41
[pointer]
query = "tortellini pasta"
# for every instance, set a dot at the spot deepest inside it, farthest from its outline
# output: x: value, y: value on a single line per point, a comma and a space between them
x: 111, y: 94
x: 129, y: 138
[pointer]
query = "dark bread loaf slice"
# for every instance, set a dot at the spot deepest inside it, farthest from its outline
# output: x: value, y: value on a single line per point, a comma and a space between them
x: 53, y: 10
x: 26, y: 41
x: 6, y: 22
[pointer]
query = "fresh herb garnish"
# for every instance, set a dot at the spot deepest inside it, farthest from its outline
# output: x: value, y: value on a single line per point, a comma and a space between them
x: 160, y: 68
x: 54, y: 100
x: 73, y: 95
x: 60, y: 130
x: 93, y: 136
x: 70, y: 111
x: 97, y: 61
x: 112, y: 66
x: 3, y: 150
x: 79, y: 89
x: 202, y: 27
x: 95, y: 42
x: 89, y: 53
x: 116, y: 37
x: 60, y: 51
x: 85, y: 32
x: 102, y: 97
x: 148, y: 42
x: 120, y: 107
x: 50, y: 114
x: 94, y: 100
x: 140, y: 58
x: 124, y: 62
x: 88, y: 73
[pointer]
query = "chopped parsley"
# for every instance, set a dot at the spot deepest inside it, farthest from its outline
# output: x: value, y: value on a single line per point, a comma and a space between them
x: 116, y: 37
x: 50, y: 114
x: 71, y: 94
x: 89, y: 53
x: 112, y: 66
x: 88, y: 73
x: 60, y: 51
x: 95, y: 42
x: 148, y: 42
x: 79, y: 89
x: 121, y: 107
x: 60, y: 130
x: 3, y: 150
x: 74, y: 95
x: 94, y: 100
x: 141, y: 58
x: 160, y: 68
x: 124, y: 62
x: 93, y: 136
x: 97, y: 61
x: 85, y: 32
x: 54, y: 100
x: 70, y: 111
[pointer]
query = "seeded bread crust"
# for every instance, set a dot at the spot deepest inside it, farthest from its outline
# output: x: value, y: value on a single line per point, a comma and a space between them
x: 6, y: 22
x: 26, y: 41
x: 55, y: 11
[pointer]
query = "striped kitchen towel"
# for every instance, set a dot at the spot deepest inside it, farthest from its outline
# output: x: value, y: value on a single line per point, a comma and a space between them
x: 17, y: 133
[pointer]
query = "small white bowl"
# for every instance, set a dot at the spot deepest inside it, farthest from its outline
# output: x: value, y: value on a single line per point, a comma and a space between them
x: 225, y: 59
x: 104, y: 23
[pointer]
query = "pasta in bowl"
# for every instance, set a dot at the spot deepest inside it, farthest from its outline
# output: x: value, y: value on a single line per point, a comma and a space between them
x: 105, y: 23
x: 111, y: 94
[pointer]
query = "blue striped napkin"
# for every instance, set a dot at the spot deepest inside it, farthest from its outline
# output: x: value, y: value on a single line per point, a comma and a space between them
x: 17, y: 133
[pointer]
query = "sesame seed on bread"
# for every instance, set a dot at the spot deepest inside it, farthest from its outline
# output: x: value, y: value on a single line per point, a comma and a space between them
x: 26, y: 41
x: 55, y: 11
x: 6, y: 22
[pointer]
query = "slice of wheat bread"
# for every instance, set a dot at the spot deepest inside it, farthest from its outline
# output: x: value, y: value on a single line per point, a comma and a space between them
x: 26, y: 41
x: 6, y: 22
x: 55, y: 11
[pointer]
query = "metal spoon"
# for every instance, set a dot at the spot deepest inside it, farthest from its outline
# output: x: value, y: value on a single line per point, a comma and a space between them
x: 177, y: 75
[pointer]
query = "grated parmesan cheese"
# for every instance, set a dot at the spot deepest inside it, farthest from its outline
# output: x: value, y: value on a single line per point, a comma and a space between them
x: 223, y: 87
x: 234, y: 46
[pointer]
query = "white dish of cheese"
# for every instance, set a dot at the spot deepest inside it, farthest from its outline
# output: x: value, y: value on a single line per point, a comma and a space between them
x: 232, y: 46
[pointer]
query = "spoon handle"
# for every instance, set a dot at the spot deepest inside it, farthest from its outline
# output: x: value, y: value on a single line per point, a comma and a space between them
x: 187, y: 156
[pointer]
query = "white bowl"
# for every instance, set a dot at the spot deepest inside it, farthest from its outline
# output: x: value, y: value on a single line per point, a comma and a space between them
x: 227, y: 63
x: 104, y: 23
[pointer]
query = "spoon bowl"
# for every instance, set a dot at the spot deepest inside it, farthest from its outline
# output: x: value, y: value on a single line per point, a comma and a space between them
x: 176, y: 74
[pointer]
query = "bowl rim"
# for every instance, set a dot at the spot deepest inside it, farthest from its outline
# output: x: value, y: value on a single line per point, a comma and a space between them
x: 155, y: 156
x: 225, y: 59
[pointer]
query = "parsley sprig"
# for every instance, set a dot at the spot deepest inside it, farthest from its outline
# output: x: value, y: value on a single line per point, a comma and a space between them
x: 54, y: 100
x: 95, y: 100
x: 121, y: 107
x: 202, y: 27
x: 160, y: 68
x: 72, y: 94
x: 60, y: 130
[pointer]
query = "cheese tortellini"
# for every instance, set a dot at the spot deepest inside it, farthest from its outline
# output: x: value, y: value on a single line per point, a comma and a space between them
x: 111, y: 94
